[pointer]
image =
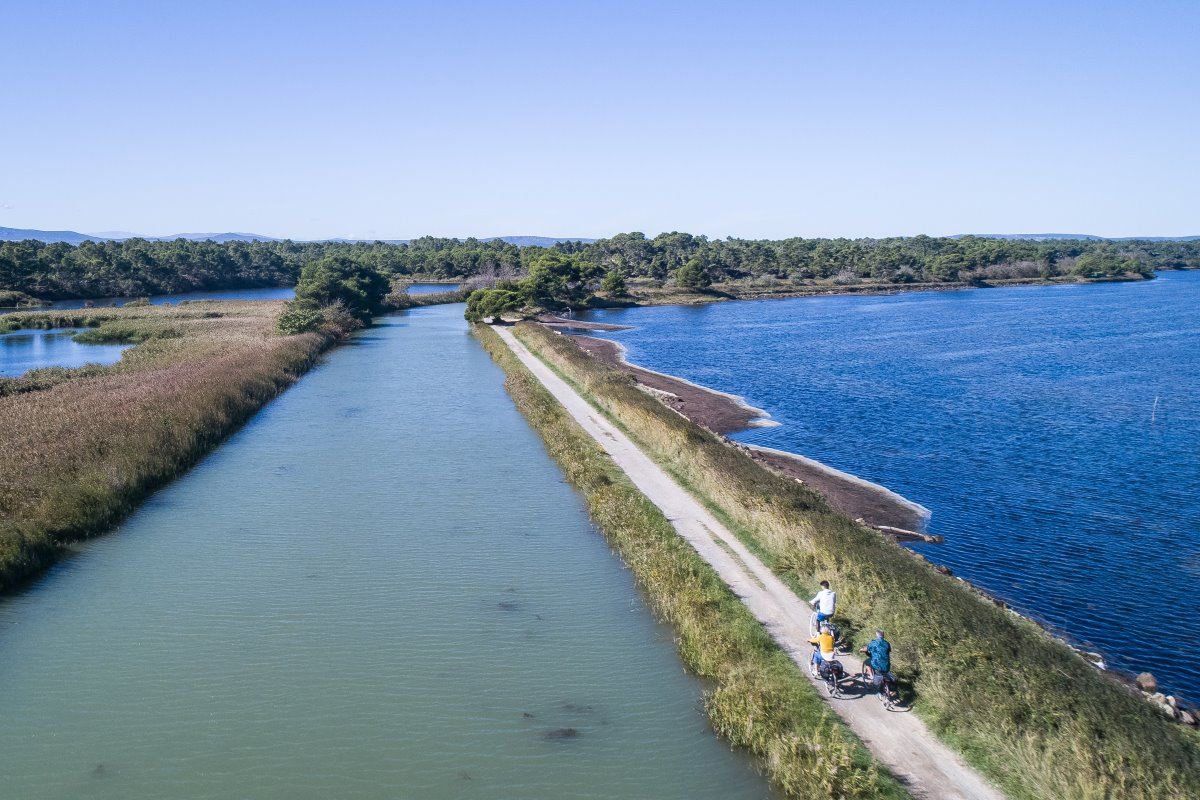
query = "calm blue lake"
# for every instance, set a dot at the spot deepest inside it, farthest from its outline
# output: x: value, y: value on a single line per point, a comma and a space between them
x: 273, y: 293
x: 432, y: 288
x: 1053, y: 431
x: 23, y: 350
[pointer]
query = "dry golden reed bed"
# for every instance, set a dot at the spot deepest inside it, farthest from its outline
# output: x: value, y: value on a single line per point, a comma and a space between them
x: 1018, y: 704
x: 82, y: 447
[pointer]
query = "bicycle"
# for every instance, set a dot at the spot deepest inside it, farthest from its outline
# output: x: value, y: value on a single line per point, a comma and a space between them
x: 831, y: 672
x: 884, y: 682
x: 814, y: 627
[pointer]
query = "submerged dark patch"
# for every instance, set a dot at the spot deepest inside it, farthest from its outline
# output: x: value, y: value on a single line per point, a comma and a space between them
x: 561, y: 733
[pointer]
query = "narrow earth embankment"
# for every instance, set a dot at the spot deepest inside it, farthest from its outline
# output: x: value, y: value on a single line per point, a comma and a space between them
x: 1021, y: 707
x: 900, y: 741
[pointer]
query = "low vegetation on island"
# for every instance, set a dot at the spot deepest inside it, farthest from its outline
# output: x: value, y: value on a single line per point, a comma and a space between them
x: 1020, y: 705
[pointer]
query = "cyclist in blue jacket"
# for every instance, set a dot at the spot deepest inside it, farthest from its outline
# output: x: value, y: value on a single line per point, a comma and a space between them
x: 879, y: 656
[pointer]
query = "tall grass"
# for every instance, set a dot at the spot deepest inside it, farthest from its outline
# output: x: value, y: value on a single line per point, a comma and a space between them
x: 82, y: 447
x: 1018, y: 704
x: 760, y: 699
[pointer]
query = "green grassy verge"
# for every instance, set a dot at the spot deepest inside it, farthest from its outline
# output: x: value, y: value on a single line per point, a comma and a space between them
x: 761, y: 700
x: 83, y: 446
x: 1018, y: 704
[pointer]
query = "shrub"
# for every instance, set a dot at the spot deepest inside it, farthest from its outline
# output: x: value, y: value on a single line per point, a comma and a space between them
x: 485, y: 303
x: 614, y: 282
x: 556, y: 279
x: 337, y: 321
x: 298, y: 317
x: 12, y: 299
x: 693, y: 275
x: 360, y: 288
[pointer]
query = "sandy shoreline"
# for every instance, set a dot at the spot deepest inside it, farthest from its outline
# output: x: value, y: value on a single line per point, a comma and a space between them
x: 725, y: 413
x: 850, y: 494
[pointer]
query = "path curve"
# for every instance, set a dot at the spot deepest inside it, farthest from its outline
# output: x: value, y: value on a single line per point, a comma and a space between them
x: 898, y: 740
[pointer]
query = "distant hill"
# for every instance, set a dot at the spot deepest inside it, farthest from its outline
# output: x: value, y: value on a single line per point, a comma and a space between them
x: 1085, y: 236
x: 538, y: 241
x: 70, y: 237
x: 73, y: 237
x: 519, y: 241
x: 214, y: 237
x: 118, y: 235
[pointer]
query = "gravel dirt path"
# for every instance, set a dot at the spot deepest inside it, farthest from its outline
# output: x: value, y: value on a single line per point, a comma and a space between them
x: 898, y: 740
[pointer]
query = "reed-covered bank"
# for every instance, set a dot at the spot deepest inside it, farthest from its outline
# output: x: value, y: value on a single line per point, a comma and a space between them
x: 759, y: 700
x: 82, y: 446
x: 1017, y: 703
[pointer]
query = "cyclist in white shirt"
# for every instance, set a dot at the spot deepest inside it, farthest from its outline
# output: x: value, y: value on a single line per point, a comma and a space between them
x: 825, y: 602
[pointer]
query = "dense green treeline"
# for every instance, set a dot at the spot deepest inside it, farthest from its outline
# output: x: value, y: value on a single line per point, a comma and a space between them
x: 917, y: 259
x: 137, y: 267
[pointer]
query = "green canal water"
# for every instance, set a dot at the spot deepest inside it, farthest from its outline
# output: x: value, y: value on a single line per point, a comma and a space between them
x: 379, y: 588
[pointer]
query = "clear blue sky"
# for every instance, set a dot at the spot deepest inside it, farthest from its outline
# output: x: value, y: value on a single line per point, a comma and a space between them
x: 754, y: 119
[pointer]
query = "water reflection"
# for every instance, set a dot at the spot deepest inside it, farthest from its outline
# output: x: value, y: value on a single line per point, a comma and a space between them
x: 23, y: 350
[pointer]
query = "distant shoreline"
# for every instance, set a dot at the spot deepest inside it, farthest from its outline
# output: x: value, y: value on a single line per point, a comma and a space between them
x: 641, y: 296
